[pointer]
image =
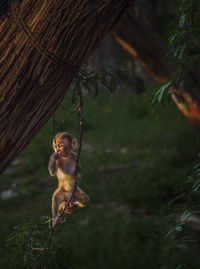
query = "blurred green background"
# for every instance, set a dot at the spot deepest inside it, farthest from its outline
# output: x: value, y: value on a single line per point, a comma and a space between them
x: 135, y: 159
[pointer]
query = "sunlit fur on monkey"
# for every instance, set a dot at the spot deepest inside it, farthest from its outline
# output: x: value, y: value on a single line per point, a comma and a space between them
x: 62, y: 164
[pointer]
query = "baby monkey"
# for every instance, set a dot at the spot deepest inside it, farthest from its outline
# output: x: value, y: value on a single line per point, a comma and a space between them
x: 62, y: 163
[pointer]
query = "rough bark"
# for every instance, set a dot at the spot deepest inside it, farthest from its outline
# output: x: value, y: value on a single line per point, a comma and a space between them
x: 43, y: 45
x: 144, y: 44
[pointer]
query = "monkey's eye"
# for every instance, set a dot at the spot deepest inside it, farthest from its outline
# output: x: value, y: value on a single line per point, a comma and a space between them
x: 60, y: 145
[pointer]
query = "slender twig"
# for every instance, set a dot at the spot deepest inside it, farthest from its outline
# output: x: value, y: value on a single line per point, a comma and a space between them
x: 47, y: 245
x: 80, y: 97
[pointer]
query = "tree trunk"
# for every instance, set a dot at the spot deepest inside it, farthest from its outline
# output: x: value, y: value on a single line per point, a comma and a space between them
x: 144, y: 44
x: 43, y: 45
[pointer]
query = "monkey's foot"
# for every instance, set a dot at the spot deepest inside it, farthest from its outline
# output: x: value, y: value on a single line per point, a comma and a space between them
x: 68, y: 211
x: 70, y: 208
x: 79, y: 204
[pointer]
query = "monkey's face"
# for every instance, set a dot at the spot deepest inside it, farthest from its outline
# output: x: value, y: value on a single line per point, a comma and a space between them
x: 62, y: 146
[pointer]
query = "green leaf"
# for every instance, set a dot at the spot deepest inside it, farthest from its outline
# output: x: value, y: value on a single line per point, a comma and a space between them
x: 159, y: 94
x: 179, y: 228
x: 196, y: 185
x: 182, y: 21
x: 176, y: 52
x: 197, y: 188
x: 186, y: 215
x: 181, y: 52
x: 172, y: 38
x: 197, y: 166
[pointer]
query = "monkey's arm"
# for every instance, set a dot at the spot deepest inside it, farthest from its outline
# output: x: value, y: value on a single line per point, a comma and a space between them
x: 54, y: 207
x: 52, y: 164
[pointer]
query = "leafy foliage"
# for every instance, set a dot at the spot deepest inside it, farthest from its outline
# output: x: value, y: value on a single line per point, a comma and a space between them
x: 28, y: 241
x: 183, y: 41
x: 90, y: 80
x: 187, y: 212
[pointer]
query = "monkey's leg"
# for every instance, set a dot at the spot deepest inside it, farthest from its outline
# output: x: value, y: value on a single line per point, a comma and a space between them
x: 57, y: 198
x: 81, y: 198
x: 62, y: 205
x: 68, y: 209
x: 71, y: 205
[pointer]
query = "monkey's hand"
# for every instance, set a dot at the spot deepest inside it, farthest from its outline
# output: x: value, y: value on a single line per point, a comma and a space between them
x: 57, y: 220
x: 56, y: 156
x: 76, y: 177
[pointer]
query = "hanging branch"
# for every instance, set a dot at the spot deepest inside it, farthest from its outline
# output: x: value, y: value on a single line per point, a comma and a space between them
x: 47, y: 245
x: 77, y: 92
x: 80, y: 109
x: 54, y: 125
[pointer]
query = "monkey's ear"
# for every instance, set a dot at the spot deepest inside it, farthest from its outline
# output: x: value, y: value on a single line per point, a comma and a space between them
x: 74, y: 143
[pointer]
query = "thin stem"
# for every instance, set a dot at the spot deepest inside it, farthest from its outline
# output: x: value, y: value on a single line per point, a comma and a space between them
x: 47, y: 245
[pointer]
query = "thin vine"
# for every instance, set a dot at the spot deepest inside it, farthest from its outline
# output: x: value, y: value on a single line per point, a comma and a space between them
x: 31, y: 238
x: 47, y: 246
